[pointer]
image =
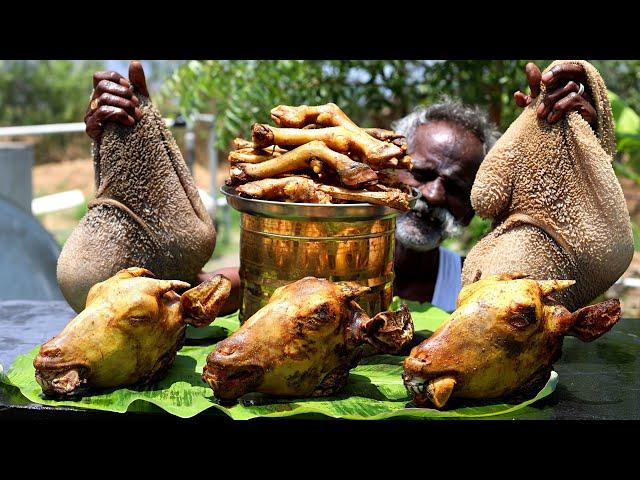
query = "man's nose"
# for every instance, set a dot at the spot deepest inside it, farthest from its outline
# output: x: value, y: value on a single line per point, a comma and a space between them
x: 433, y: 192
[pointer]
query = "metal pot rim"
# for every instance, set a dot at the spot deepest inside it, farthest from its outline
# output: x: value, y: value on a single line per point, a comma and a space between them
x: 316, y: 211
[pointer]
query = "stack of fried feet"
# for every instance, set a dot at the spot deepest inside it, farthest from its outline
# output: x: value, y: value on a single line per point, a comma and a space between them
x: 318, y: 155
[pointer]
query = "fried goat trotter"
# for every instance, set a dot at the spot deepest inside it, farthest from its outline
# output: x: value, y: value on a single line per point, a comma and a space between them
x: 129, y: 332
x: 306, y: 190
x: 501, y: 340
x: 303, y: 342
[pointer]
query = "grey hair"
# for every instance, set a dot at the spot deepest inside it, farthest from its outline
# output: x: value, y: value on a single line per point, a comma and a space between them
x: 472, y: 118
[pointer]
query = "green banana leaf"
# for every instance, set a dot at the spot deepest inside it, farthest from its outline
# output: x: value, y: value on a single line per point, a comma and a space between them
x: 426, y: 317
x: 374, y: 391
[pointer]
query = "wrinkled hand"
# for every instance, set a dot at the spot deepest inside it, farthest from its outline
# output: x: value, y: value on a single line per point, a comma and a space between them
x: 113, y: 99
x: 562, y: 84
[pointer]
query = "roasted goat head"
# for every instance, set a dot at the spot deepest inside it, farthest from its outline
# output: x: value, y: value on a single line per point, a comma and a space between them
x: 303, y: 342
x: 129, y: 332
x: 501, y: 340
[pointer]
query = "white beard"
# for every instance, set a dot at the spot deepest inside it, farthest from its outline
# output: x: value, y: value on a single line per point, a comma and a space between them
x: 424, y: 228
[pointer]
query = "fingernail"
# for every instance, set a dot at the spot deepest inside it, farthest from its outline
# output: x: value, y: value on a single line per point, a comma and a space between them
x: 138, y: 113
x: 547, y: 76
x: 135, y: 100
x: 540, y: 108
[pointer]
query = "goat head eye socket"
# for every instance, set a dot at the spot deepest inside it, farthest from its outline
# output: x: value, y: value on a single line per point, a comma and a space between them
x: 136, y: 320
x: 523, y: 318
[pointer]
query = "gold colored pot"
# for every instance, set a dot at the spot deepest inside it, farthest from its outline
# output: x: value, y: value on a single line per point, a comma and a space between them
x: 284, y: 242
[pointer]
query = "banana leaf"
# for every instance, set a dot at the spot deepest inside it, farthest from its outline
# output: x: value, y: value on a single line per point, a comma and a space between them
x: 426, y: 317
x: 374, y: 391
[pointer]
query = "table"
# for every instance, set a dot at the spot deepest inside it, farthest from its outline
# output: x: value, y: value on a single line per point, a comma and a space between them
x: 597, y: 381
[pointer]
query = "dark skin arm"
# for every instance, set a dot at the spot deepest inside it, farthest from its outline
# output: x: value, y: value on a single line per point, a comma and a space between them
x: 415, y: 273
x: 562, y: 84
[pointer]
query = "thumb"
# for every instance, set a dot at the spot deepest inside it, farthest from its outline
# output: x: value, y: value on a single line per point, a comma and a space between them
x: 137, y: 78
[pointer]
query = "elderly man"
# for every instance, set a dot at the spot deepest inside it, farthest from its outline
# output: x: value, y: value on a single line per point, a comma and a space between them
x: 447, y: 142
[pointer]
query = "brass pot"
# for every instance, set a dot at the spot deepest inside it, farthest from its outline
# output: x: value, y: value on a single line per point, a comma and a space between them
x: 283, y: 242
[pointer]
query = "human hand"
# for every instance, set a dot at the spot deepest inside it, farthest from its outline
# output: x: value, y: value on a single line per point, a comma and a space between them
x: 113, y: 99
x: 562, y: 83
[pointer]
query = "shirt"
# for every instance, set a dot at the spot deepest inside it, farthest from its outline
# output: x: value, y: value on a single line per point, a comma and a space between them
x: 449, y: 281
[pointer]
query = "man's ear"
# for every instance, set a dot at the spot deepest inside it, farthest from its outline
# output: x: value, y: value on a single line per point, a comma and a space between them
x: 591, y: 322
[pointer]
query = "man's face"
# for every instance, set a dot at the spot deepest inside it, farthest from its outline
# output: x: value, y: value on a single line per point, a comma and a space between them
x: 446, y: 158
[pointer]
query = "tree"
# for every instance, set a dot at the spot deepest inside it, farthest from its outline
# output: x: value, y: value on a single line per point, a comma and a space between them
x: 372, y: 92
x: 622, y: 77
x: 45, y: 91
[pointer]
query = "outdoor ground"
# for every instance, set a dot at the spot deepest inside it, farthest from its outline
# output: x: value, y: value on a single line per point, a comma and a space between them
x: 78, y: 174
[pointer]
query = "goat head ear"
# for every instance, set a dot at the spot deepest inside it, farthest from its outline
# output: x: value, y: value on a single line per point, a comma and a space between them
x: 387, y: 332
x: 593, y: 321
x: 552, y: 286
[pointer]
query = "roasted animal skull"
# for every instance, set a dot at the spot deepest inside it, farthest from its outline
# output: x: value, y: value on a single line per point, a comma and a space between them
x: 303, y: 342
x: 129, y: 332
x: 501, y: 340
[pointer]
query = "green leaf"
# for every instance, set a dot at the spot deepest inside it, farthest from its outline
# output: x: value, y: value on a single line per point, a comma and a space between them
x: 426, y: 317
x: 626, y: 171
x: 374, y: 391
x: 627, y: 122
x: 636, y: 237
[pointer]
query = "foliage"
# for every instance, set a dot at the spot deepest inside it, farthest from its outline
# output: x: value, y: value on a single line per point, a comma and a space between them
x: 372, y: 92
x: 636, y: 237
x: 622, y: 77
x: 228, y: 234
x: 477, y: 229
x: 489, y: 84
x: 45, y: 91
x: 627, y: 138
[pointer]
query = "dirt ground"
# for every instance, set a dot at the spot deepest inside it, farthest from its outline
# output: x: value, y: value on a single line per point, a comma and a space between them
x: 71, y: 174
